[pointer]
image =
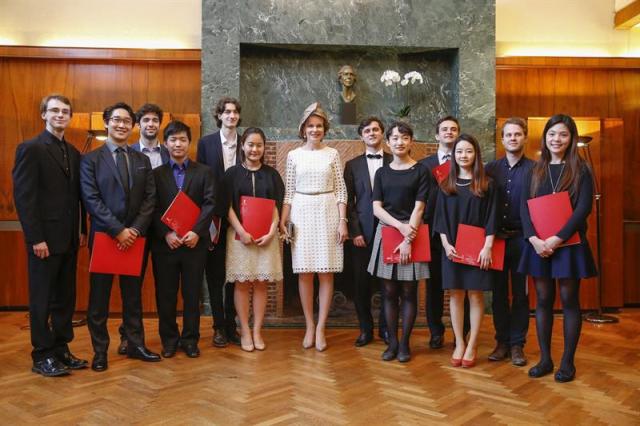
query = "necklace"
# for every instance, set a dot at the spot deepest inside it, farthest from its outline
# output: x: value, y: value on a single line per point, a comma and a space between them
x: 554, y: 187
x: 463, y: 184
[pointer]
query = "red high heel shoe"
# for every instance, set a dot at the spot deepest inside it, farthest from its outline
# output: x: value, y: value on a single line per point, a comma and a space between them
x: 456, y: 362
x: 468, y: 363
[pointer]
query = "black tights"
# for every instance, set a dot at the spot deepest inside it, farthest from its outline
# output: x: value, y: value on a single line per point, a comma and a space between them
x: 407, y: 291
x: 570, y: 296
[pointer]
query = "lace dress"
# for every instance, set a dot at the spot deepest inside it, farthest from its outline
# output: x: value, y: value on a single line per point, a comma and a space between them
x: 314, y: 186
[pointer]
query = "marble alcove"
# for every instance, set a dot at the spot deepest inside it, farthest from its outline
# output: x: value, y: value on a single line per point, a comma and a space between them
x: 278, y: 56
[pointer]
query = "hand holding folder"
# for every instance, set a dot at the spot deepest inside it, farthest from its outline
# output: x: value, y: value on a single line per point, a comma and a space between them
x: 108, y: 258
x: 550, y: 213
x: 420, y: 246
x: 469, y: 243
x: 256, y: 215
x: 181, y: 215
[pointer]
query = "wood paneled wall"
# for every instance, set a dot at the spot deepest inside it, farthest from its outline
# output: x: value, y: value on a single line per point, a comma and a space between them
x: 92, y: 79
x: 585, y: 87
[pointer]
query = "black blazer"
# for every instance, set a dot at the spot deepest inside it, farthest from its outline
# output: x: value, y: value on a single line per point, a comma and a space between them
x: 360, y: 197
x: 164, y: 152
x: 210, y: 153
x: 111, y: 210
x: 47, y: 198
x: 198, y: 185
x: 431, y: 162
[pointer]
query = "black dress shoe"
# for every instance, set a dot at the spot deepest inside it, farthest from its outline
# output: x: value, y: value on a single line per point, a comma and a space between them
x: 404, y: 355
x: 49, y: 367
x: 390, y: 354
x: 541, y: 369
x: 233, y: 337
x: 191, y: 349
x: 122, y: 347
x: 71, y: 362
x: 99, y: 362
x: 143, y: 354
x: 168, y: 352
x: 364, y: 339
x: 564, y: 375
x: 436, y: 341
x: 500, y: 352
x: 220, y: 339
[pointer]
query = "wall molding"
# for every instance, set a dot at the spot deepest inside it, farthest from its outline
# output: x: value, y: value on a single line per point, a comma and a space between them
x: 520, y: 62
x: 98, y: 54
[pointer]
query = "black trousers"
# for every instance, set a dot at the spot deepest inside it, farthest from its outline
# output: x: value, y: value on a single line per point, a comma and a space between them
x: 182, y: 270
x: 98, y: 311
x: 364, y: 285
x: 222, y: 303
x: 145, y: 260
x: 52, y: 301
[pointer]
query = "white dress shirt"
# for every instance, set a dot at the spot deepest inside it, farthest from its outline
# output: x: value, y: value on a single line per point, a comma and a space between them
x: 228, y: 151
x: 153, y: 152
x: 443, y: 157
x: 373, y: 164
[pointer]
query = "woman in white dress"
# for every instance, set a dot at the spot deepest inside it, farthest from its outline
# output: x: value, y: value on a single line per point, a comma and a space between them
x: 315, y: 203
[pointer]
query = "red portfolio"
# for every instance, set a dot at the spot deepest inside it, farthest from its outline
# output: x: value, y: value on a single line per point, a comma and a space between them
x: 550, y: 213
x: 442, y: 171
x: 106, y: 258
x: 256, y: 215
x: 470, y: 241
x: 420, y: 246
x: 181, y: 214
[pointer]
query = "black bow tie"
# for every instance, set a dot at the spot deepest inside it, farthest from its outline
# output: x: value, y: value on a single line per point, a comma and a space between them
x: 376, y: 156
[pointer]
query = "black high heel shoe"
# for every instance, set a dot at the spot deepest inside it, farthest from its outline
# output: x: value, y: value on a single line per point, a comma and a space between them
x: 390, y: 354
x: 541, y: 369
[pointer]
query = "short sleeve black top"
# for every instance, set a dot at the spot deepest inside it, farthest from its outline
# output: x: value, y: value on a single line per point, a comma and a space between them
x: 398, y: 190
x: 238, y: 181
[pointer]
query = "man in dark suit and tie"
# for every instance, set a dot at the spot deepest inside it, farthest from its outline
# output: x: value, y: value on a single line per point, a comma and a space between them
x: 219, y: 151
x: 178, y: 260
x: 358, y: 176
x: 149, y: 119
x: 447, y: 130
x: 119, y: 193
x: 46, y: 190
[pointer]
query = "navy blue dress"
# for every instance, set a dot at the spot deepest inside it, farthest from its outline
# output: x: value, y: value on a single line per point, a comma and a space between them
x: 575, y: 261
x: 469, y: 209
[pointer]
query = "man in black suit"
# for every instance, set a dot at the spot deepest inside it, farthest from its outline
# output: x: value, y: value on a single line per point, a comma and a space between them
x: 175, y: 257
x: 46, y: 190
x: 447, y: 130
x: 358, y: 176
x: 149, y: 119
x: 220, y: 151
x: 119, y: 193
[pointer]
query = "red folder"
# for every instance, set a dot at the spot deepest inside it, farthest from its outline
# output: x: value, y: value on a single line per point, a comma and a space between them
x: 181, y: 214
x: 420, y: 246
x: 470, y: 241
x: 256, y: 215
x: 442, y: 171
x: 106, y: 258
x: 550, y: 213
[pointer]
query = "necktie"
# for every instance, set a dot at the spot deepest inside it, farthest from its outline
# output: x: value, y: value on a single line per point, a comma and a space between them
x: 446, y: 157
x: 123, y: 170
x: 376, y: 156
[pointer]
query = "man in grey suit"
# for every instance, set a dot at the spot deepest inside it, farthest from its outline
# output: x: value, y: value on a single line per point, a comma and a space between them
x: 46, y: 190
x: 119, y: 193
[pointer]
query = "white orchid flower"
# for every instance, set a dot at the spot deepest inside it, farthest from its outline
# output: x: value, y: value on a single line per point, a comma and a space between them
x: 404, y: 82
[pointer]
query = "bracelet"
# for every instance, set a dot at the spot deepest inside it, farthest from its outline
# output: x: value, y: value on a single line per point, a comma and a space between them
x: 345, y: 219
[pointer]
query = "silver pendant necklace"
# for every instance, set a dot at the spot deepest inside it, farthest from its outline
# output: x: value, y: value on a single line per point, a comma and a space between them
x: 554, y: 187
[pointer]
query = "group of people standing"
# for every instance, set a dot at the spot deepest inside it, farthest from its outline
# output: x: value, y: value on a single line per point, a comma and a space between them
x: 126, y: 189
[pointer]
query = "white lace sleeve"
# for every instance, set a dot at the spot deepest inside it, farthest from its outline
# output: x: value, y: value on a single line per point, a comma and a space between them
x: 290, y: 180
x: 338, y: 179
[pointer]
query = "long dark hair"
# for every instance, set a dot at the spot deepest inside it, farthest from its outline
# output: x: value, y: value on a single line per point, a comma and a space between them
x: 479, y: 180
x: 248, y: 132
x: 573, y: 163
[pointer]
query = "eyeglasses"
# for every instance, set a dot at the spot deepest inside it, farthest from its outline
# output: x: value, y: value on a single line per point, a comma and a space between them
x: 118, y: 120
x: 57, y: 111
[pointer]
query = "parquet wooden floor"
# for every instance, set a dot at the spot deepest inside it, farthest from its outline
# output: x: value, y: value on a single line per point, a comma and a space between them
x: 344, y: 385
